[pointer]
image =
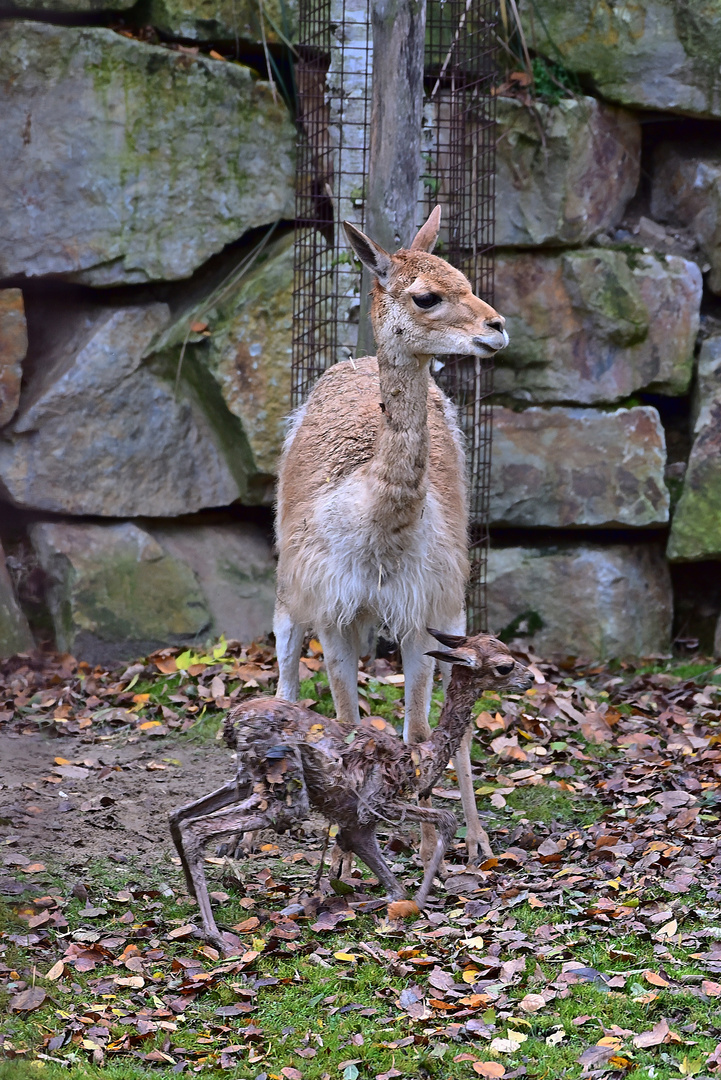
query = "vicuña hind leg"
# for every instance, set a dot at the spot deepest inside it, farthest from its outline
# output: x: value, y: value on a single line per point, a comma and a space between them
x: 192, y: 834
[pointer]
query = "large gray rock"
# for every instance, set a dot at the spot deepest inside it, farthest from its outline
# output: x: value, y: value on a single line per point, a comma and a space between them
x: 15, y: 635
x: 551, y: 187
x: 596, y: 325
x: 559, y: 467
x: 656, y: 54
x: 113, y: 590
x: 235, y: 569
x: 101, y: 432
x: 686, y: 190
x: 13, y: 347
x: 225, y: 20
x: 696, y: 526
x: 125, y: 162
x: 246, y: 352
x: 63, y: 7
x: 582, y: 600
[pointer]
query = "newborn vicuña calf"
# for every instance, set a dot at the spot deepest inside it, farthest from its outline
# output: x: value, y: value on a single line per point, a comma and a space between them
x: 290, y: 759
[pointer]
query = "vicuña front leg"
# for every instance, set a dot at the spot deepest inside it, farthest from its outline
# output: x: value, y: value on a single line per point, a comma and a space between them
x: 340, y: 652
x: 445, y: 823
x: 288, y: 646
x: 476, y: 835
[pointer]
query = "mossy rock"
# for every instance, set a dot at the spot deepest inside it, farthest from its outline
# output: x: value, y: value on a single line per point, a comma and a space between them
x: 139, y: 162
x: 653, y: 54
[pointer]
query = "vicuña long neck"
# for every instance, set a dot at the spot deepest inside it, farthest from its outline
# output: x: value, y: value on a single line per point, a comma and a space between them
x: 446, y: 737
x: 400, y: 465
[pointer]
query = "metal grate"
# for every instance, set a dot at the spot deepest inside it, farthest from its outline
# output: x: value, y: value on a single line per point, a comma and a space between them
x: 334, y: 96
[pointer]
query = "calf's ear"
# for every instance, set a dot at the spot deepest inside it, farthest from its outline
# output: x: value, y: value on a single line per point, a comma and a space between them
x: 452, y: 641
x: 453, y: 658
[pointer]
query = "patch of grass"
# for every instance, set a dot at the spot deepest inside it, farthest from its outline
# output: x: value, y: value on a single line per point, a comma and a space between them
x: 545, y: 804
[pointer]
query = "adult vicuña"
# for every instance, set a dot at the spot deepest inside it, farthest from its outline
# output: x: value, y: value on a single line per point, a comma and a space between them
x: 289, y: 759
x: 372, y: 516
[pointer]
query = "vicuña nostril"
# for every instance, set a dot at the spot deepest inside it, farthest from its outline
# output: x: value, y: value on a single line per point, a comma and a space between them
x: 497, y: 323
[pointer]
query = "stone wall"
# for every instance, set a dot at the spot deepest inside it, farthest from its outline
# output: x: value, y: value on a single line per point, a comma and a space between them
x: 145, y: 327
x: 606, y: 498
x: 145, y: 318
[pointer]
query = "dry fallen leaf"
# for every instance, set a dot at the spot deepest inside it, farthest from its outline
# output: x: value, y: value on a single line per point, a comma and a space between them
x: 489, y: 1068
x: 531, y: 1003
x: 28, y: 1000
x: 654, y: 1037
x: 654, y: 979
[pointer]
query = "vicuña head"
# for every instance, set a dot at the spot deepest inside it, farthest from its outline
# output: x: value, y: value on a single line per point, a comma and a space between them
x: 486, y: 663
x: 420, y: 305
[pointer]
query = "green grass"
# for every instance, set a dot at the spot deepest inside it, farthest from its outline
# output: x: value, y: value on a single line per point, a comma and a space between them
x: 307, y: 1007
x: 347, y: 1010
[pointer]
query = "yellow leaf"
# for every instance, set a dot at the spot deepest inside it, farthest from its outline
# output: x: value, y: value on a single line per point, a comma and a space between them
x: 61, y: 761
x: 349, y: 957
x: 55, y: 971
x: 147, y: 724
x: 474, y: 943
x: 470, y: 976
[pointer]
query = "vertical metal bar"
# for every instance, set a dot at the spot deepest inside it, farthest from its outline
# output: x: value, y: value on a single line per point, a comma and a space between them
x: 458, y: 170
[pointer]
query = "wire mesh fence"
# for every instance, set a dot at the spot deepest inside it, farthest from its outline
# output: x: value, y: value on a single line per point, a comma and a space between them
x: 334, y: 73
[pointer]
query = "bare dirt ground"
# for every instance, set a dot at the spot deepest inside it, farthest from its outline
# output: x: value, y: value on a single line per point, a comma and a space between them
x: 110, y: 798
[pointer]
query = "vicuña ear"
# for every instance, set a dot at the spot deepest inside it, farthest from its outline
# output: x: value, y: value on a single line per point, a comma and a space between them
x: 372, y: 255
x: 451, y: 640
x: 453, y: 658
x: 426, y: 237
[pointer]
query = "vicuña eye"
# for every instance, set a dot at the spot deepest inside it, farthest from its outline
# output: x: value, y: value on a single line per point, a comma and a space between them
x: 427, y: 300
x: 504, y: 669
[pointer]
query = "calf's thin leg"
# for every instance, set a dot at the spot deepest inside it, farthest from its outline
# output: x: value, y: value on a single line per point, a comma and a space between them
x: 418, y: 670
x: 476, y: 835
x: 364, y: 843
x: 192, y: 834
x: 216, y: 800
x: 445, y: 825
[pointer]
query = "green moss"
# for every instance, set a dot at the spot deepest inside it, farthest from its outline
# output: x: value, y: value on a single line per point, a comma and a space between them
x: 552, y: 81
x: 127, y: 598
x: 602, y: 280
x: 696, y: 525
x: 527, y: 623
